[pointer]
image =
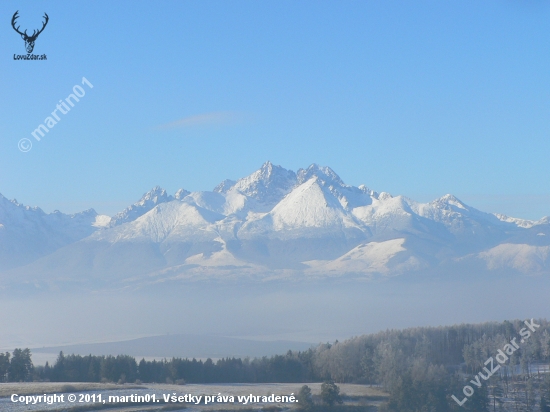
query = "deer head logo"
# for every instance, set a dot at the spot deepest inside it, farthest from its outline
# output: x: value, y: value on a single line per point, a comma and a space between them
x: 29, y: 40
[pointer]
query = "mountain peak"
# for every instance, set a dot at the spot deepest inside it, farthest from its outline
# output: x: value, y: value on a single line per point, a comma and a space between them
x: 269, y: 171
x: 181, y: 193
x: 324, y: 173
x: 364, y: 189
x: 451, y: 200
x: 267, y: 184
x: 147, y: 202
x: 13, y: 204
x: 224, y: 186
x: 156, y: 195
x: 271, y: 219
x: 268, y: 166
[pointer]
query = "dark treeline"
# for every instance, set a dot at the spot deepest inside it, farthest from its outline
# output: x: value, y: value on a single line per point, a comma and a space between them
x: 420, y: 367
x: 16, y: 367
x: 292, y: 367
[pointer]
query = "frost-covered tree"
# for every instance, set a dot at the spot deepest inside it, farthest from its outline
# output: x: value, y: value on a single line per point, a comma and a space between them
x: 305, y: 400
x: 330, y: 393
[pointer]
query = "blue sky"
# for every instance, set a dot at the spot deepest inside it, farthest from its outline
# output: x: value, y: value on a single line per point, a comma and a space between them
x: 419, y: 98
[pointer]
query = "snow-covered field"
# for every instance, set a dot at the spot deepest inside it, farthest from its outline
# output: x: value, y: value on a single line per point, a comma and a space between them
x: 356, y: 394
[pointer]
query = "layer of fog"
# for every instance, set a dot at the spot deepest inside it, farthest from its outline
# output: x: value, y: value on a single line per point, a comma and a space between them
x: 306, y: 312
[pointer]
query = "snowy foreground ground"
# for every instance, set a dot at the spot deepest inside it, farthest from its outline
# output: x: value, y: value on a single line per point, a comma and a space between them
x: 353, y: 395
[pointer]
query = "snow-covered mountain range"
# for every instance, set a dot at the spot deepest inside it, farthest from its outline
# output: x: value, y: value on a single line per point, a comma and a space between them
x: 272, y: 224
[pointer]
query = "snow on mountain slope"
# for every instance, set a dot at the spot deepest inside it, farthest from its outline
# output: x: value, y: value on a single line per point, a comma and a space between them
x: 368, y: 258
x: 180, y: 194
x: 27, y: 233
x: 272, y: 223
x: 267, y: 185
x: 174, y: 219
x: 324, y: 174
x: 527, y: 259
x: 227, y: 203
x: 163, y: 237
x: 224, y: 186
x: 218, y: 258
x: 309, y: 208
x: 310, y: 205
x: 399, y: 212
x: 454, y: 214
x: 149, y: 200
x: 348, y: 196
x: 455, y: 226
x: 386, y: 212
x: 523, y: 223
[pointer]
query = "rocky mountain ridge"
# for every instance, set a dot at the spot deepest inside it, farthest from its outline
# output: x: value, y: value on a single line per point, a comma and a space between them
x: 272, y: 224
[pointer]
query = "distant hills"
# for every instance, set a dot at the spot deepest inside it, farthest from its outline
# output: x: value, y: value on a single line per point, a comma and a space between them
x: 272, y: 224
x: 183, y: 346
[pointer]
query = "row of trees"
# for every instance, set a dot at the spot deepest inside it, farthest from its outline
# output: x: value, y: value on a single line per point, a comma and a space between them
x: 420, y: 367
x: 292, y: 367
x: 380, y: 357
x: 16, y: 367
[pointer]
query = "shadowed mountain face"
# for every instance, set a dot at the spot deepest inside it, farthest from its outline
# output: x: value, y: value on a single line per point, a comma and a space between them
x: 27, y: 234
x: 272, y: 224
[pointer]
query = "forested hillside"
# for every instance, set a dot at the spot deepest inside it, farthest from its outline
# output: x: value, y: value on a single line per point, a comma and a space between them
x: 502, y: 364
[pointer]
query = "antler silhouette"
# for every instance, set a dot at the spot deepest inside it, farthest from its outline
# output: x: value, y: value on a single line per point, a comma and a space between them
x: 43, y: 26
x: 15, y: 16
x: 29, y: 40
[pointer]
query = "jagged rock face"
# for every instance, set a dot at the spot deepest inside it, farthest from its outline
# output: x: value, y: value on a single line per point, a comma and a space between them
x: 267, y: 185
x: 149, y: 200
x: 272, y: 223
